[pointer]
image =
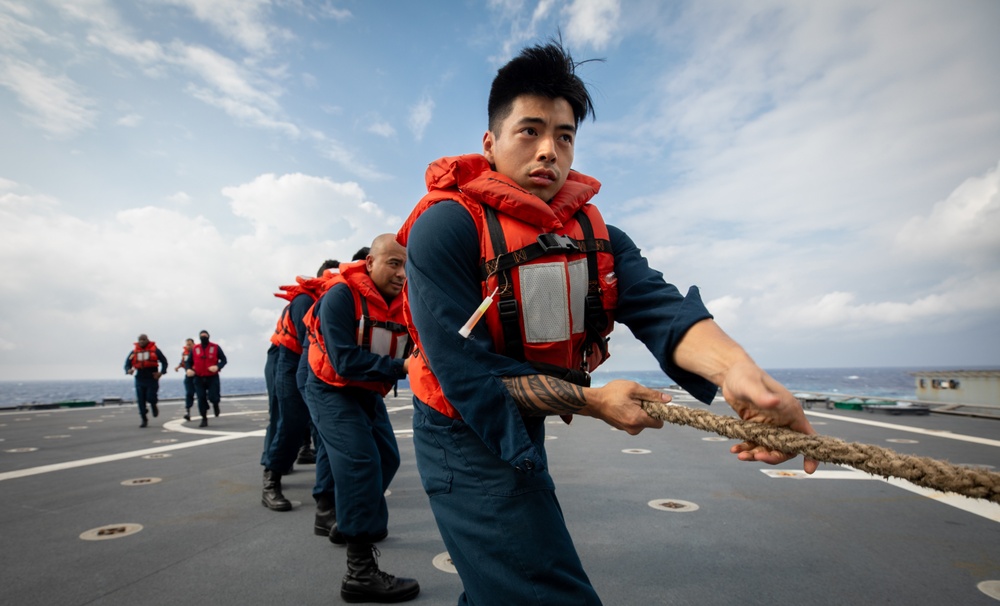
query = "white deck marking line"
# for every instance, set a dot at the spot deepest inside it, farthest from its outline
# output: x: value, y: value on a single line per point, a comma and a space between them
x: 979, y: 507
x: 927, y: 432
x: 173, y: 425
x: 21, y: 473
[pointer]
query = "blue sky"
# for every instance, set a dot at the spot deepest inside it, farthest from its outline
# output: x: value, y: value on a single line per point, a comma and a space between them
x: 826, y: 172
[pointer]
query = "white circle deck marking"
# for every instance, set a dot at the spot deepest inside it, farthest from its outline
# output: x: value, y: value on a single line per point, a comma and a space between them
x: 77, y: 427
x: 141, y: 481
x: 165, y: 441
x: 111, y: 531
x: 56, y: 437
x: 715, y: 439
x: 551, y: 437
x: 636, y: 451
x: 442, y: 562
x: 990, y: 588
x: 902, y: 441
x: 672, y: 505
x: 19, y: 450
x: 158, y: 455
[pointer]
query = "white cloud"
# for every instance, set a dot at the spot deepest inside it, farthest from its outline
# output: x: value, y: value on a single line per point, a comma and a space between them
x: 179, y: 198
x: 420, y: 116
x: 345, y: 158
x: 166, y: 272
x: 964, y: 227
x: 313, y: 208
x: 129, y: 120
x: 231, y: 88
x: 53, y: 102
x: 725, y: 310
x: 592, y: 22
x: 382, y: 129
x: 243, y: 21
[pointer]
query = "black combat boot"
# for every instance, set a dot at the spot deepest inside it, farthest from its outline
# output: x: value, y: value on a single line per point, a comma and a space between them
x: 215, y: 408
x: 156, y: 411
x: 204, y: 421
x: 306, y: 456
x: 326, y: 514
x: 364, y: 582
x: 272, y: 497
x: 145, y: 422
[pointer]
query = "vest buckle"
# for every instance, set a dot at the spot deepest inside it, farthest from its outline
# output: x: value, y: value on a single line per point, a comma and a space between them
x: 557, y: 243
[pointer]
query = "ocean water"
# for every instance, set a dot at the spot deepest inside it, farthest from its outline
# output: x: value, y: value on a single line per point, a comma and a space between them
x: 890, y: 383
x: 19, y: 393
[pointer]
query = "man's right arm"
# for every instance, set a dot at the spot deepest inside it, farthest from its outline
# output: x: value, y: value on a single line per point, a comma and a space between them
x: 616, y: 403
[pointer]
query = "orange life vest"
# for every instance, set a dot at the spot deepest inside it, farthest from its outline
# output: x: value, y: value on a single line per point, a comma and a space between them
x: 380, y: 327
x: 145, y: 357
x: 203, y: 358
x: 285, y: 333
x: 552, y: 263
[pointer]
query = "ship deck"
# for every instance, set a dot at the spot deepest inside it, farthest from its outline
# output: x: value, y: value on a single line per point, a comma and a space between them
x: 665, y: 517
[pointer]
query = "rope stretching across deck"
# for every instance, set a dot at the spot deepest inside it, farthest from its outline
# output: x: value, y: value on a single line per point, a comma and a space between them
x: 922, y: 471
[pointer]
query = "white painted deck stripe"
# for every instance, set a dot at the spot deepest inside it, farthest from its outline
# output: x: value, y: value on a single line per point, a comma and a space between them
x: 927, y: 432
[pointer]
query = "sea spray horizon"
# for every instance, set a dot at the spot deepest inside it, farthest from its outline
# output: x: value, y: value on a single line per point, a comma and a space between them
x: 878, y: 382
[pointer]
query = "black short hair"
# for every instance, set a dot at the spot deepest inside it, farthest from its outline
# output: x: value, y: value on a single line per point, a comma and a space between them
x: 328, y: 264
x: 544, y: 70
x: 361, y: 254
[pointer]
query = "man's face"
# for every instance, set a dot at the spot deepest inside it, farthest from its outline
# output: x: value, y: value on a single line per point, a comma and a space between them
x: 143, y: 340
x: 534, y: 145
x: 387, y: 270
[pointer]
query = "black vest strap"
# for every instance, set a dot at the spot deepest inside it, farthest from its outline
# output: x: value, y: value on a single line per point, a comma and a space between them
x: 369, y: 324
x: 510, y: 317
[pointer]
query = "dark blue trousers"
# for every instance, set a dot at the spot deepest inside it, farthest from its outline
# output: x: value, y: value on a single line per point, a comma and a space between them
x: 145, y: 391
x: 504, y: 529
x: 354, y: 428
x: 207, y: 390
x: 324, y: 475
x: 292, y: 415
x: 272, y: 403
x: 188, y: 393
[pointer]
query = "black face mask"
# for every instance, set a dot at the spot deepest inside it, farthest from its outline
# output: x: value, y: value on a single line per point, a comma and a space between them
x: 204, y: 341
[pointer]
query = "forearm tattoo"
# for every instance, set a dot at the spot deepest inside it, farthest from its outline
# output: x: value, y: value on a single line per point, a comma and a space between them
x: 540, y: 395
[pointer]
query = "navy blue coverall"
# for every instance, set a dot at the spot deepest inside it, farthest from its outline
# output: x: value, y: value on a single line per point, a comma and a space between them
x: 487, y: 474
x: 146, y: 385
x: 352, y: 422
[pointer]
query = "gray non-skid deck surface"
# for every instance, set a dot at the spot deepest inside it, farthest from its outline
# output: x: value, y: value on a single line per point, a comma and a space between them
x: 754, y: 539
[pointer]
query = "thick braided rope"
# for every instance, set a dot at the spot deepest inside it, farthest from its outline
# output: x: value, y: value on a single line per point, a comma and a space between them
x: 922, y: 471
